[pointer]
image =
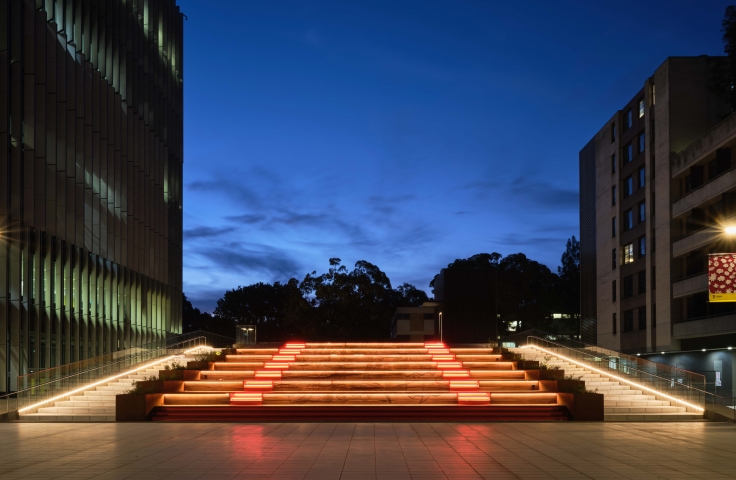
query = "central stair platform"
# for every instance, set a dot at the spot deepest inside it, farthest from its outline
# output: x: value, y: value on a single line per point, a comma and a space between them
x: 363, y: 382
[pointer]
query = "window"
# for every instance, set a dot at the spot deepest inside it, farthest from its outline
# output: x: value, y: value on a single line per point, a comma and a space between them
x: 628, y: 186
x: 641, y: 108
x: 628, y: 153
x: 628, y: 220
x: 642, y: 246
x: 642, y: 142
x: 613, y: 227
x: 642, y: 177
x: 654, y: 278
x: 613, y: 256
x: 642, y: 318
x: 654, y: 96
x: 628, y: 321
x: 613, y: 194
x: 654, y: 315
x: 613, y: 163
x: 628, y: 287
x: 642, y: 212
x: 613, y: 132
x: 615, y: 323
x: 628, y: 120
x: 613, y: 290
x: 628, y: 253
x: 642, y: 282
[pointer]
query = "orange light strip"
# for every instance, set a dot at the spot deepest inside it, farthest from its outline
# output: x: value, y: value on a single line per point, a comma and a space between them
x: 290, y: 351
x: 241, y: 398
x: 455, y: 374
x: 474, y: 398
x: 276, y: 366
x: 257, y: 384
x: 464, y: 385
x: 295, y: 345
x: 449, y: 365
x: 442, y: 358
x: 267, y: 374
x: 283, y: 358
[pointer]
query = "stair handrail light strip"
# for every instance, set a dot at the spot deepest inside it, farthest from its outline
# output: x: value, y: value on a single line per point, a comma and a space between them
x: 109, y: 379
x: 24, y: 398
x: 638, y: 385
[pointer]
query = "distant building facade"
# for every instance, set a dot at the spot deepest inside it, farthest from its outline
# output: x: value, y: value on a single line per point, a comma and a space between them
x: 649, y: 198
x: 91, y: 126
x: 416, y: 324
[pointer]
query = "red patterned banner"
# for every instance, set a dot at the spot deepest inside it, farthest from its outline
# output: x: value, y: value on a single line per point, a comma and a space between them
x: 722, y: 277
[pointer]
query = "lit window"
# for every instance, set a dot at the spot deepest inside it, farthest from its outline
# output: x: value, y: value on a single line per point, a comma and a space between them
x: 641, y: 108
x: 628, y: 253
x: 628, y: 186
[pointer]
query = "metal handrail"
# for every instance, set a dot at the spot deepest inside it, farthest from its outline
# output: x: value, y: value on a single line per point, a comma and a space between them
x: 56, y: 388
x: 49, y: 374
x: 686, y: 393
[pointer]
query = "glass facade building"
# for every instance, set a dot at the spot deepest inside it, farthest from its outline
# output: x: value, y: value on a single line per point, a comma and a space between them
x: 91, y: 151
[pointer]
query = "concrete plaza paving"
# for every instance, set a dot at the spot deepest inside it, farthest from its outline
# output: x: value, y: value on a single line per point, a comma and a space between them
x: 367, y: 450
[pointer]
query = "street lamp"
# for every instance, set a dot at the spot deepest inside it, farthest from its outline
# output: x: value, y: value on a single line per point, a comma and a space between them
x: 730, y: 230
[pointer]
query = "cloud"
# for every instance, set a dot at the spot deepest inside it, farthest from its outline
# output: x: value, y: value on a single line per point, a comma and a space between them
x: 246, y: 219
x: 263, y: 259
x: 527, y: 190
x: 205, y: 232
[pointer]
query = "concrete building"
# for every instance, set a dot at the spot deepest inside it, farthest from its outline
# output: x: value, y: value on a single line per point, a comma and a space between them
x: 416, y: 324
x: 632, y: 216
x: 91, y: 156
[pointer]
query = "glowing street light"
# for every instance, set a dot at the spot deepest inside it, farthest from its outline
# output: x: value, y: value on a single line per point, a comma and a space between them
x: 730, y: 230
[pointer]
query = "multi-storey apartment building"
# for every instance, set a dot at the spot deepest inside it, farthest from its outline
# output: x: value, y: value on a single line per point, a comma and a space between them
x: 629, y: 262
x: 90, y: 179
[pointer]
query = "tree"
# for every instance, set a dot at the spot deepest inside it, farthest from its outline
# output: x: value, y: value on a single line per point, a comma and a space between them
x: 478, y: 261
x: 408, y: 295
x: 569, y: 273
x: 527, y: 292
x: 261, y: 304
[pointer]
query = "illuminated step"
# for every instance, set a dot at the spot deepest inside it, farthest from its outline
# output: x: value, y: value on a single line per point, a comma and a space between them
x: 435, y: 385
x: 443, y: 358
x: 364, y: 358
x: 473, y: 398
x: 364, y: 345
x: 464, y: 385
x: 327, y: 366
x: 295, y: 345
x: 256, y: 351
x: 258, y: 385
x: 434, y: 345
x: 365, y: 351
x: 246, y: 398
x: 283, y: 358
x: 273, y: 374
x: 293, y: 374
x: 275, y: 366
x: 289, y: 351
x: 449, y: 365
x: 247, y: 358
x: 455, y: 374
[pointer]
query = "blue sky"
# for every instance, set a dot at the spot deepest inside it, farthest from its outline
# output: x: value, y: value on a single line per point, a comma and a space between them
x: 404, y: 133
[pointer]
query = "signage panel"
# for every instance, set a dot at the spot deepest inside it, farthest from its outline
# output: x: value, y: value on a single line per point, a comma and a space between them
x: 722, y: 277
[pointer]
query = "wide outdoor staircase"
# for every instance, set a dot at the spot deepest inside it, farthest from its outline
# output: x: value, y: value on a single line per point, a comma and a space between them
x: 621, y: 401
x: 96, y: 404
x: 362, y: 382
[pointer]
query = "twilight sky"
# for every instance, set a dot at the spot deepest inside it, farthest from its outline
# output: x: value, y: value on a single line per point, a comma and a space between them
x: 404, y: 133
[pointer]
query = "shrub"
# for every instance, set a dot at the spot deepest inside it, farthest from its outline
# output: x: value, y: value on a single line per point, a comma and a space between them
x: 209, y: 356
x: 175, y: 365
x: 140, y: 390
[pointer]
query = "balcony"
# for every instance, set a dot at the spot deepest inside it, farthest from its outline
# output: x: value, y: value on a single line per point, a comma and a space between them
x: 705, y: 327
x: 705, y: 192
x: 695, y: 240
x: 704, y: 146
x: 688, y: 286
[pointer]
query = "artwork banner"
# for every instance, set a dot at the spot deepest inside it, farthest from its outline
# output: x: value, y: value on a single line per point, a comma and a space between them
x: 722, y: 277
